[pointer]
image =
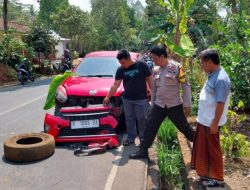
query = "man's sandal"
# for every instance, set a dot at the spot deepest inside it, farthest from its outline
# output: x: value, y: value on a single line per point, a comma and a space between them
x: 212, y: 183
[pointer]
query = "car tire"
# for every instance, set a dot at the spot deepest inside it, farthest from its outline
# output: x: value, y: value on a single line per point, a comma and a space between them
x: 29, y: 147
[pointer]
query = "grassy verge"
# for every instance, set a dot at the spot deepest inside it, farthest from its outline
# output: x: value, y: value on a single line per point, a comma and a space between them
x: 169, y: 157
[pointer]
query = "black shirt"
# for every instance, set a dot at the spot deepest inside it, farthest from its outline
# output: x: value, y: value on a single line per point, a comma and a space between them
x: 134, y: 80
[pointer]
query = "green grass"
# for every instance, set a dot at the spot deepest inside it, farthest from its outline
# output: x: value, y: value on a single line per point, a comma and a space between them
x: 169, y: 156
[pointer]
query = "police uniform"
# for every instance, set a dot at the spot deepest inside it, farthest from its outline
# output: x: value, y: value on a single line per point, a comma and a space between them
x: 166, y: 101
x: 166, y: 86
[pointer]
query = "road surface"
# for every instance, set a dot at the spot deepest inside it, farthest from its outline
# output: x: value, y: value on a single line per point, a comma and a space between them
x: 21, y: 112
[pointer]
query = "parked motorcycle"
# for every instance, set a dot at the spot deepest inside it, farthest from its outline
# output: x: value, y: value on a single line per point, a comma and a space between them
x: 65, y: 65
x: 23, y: 72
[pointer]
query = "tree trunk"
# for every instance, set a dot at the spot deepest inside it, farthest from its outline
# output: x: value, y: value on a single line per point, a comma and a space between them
x: 5, y: 15
x: 39, y: 59
x: 233, y: 6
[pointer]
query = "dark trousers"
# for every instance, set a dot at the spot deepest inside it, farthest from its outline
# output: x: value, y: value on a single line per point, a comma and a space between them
x: 157, y: 116
x: 135, y: 110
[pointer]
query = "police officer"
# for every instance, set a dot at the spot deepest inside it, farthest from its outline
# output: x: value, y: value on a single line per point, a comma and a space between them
x: 166, y: 100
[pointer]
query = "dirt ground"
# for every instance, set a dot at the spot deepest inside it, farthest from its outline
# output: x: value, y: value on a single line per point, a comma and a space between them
x: 237, y: 174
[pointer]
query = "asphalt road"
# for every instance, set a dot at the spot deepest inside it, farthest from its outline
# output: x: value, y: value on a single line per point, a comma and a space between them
x: 21, y: 112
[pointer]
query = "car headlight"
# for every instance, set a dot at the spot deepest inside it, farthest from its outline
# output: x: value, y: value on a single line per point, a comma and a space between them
x: 61, y: 94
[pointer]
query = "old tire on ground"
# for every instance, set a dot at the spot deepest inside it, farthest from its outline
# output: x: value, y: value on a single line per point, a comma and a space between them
x: 29, y: 147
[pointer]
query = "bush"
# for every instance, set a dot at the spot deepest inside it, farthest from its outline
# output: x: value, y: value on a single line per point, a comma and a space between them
x: 233, y: 144
x: 46, y: 70
x: 234, y: 52
x: 240, y: 77
x: 170, y: 162
x: 167, y: 132
x: 7, y: 73
x: 197, y: 80
x: 169, y: 156
x: 12, y: 50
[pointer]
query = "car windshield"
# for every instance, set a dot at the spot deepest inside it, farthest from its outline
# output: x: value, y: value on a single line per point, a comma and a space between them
x: 98, y: 67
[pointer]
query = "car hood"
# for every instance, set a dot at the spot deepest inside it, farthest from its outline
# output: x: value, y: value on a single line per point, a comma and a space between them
x: 90, y: 86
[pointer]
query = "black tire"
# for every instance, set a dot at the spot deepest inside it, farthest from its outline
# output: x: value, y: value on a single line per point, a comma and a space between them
x: 22, y: 82
x: 20, y: 78
x: 29, y: 147
x: 32, y: 79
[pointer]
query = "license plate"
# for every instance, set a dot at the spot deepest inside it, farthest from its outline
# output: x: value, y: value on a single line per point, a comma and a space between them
x: 94, y: 123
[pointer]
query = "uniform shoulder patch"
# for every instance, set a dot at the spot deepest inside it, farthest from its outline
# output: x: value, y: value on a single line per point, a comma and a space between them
x: 182, y: 74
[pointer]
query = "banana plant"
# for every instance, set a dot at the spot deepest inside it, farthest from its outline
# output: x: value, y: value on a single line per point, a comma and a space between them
x: 177, y: 39
x: 56, y: 81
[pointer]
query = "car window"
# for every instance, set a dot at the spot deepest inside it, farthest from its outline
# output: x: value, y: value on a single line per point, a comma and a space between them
x: 98, y: 67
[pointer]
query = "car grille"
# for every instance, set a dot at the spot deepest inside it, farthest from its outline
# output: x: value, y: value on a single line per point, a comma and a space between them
x: 83, y: 101
x: 84, y: 116
x: 86, y: 101
x: 64, y: 132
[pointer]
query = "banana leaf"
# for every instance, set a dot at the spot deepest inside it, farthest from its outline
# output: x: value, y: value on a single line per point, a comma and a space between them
x: 56, y: 81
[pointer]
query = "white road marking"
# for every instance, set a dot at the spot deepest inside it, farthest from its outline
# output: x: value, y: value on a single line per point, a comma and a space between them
x: 113, y: 172
x: 21, y: 105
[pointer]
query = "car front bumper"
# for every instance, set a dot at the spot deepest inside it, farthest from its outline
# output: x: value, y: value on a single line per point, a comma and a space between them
x: 60, y: 126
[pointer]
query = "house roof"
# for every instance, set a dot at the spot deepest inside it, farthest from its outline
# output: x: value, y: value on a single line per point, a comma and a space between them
x: 12, y: 25
x: 58, y: 37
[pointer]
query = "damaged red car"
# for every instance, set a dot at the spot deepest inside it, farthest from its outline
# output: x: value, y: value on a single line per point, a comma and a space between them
x: 79, y: 112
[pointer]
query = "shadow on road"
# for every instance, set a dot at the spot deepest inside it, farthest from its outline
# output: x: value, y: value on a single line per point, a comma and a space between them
x: 22, y: 163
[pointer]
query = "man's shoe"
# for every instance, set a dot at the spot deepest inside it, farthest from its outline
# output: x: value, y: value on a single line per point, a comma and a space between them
x: 128, y: 143
x: 140, y: 154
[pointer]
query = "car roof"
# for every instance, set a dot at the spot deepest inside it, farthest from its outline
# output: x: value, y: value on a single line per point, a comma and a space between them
x: 109, y: 54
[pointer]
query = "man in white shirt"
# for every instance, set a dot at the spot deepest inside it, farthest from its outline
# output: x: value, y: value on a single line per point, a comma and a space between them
x: 213, y: 105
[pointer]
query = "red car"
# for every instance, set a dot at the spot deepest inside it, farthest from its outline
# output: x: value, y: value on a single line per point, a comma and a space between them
x: 79, y: 113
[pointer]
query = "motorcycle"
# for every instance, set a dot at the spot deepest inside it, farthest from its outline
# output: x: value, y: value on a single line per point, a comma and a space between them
x: 23, y: 72
x: 66, y: 65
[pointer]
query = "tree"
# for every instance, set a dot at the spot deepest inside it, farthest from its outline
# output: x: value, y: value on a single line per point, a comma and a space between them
x: 18, y: 12
x: 40, y: 38
x: 71, y: 22
x: 175, y: 35
x: 154, y: 22
x: 49, y: 7
x: 5, y: 15
x: 154, y: 9
x: 11, y: 50
x: 138, y: 9
x: 114, y: 25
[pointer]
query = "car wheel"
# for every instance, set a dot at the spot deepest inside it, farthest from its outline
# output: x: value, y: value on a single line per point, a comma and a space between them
x: 29, y: 147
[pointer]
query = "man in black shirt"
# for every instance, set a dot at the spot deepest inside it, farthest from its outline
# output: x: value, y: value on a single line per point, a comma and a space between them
x: 136, y: 76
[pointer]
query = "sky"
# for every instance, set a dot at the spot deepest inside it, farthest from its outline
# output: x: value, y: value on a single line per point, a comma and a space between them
x: 83, y: 4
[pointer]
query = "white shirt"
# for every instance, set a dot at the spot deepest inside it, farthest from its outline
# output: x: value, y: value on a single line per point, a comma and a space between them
x: 216, y: 89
